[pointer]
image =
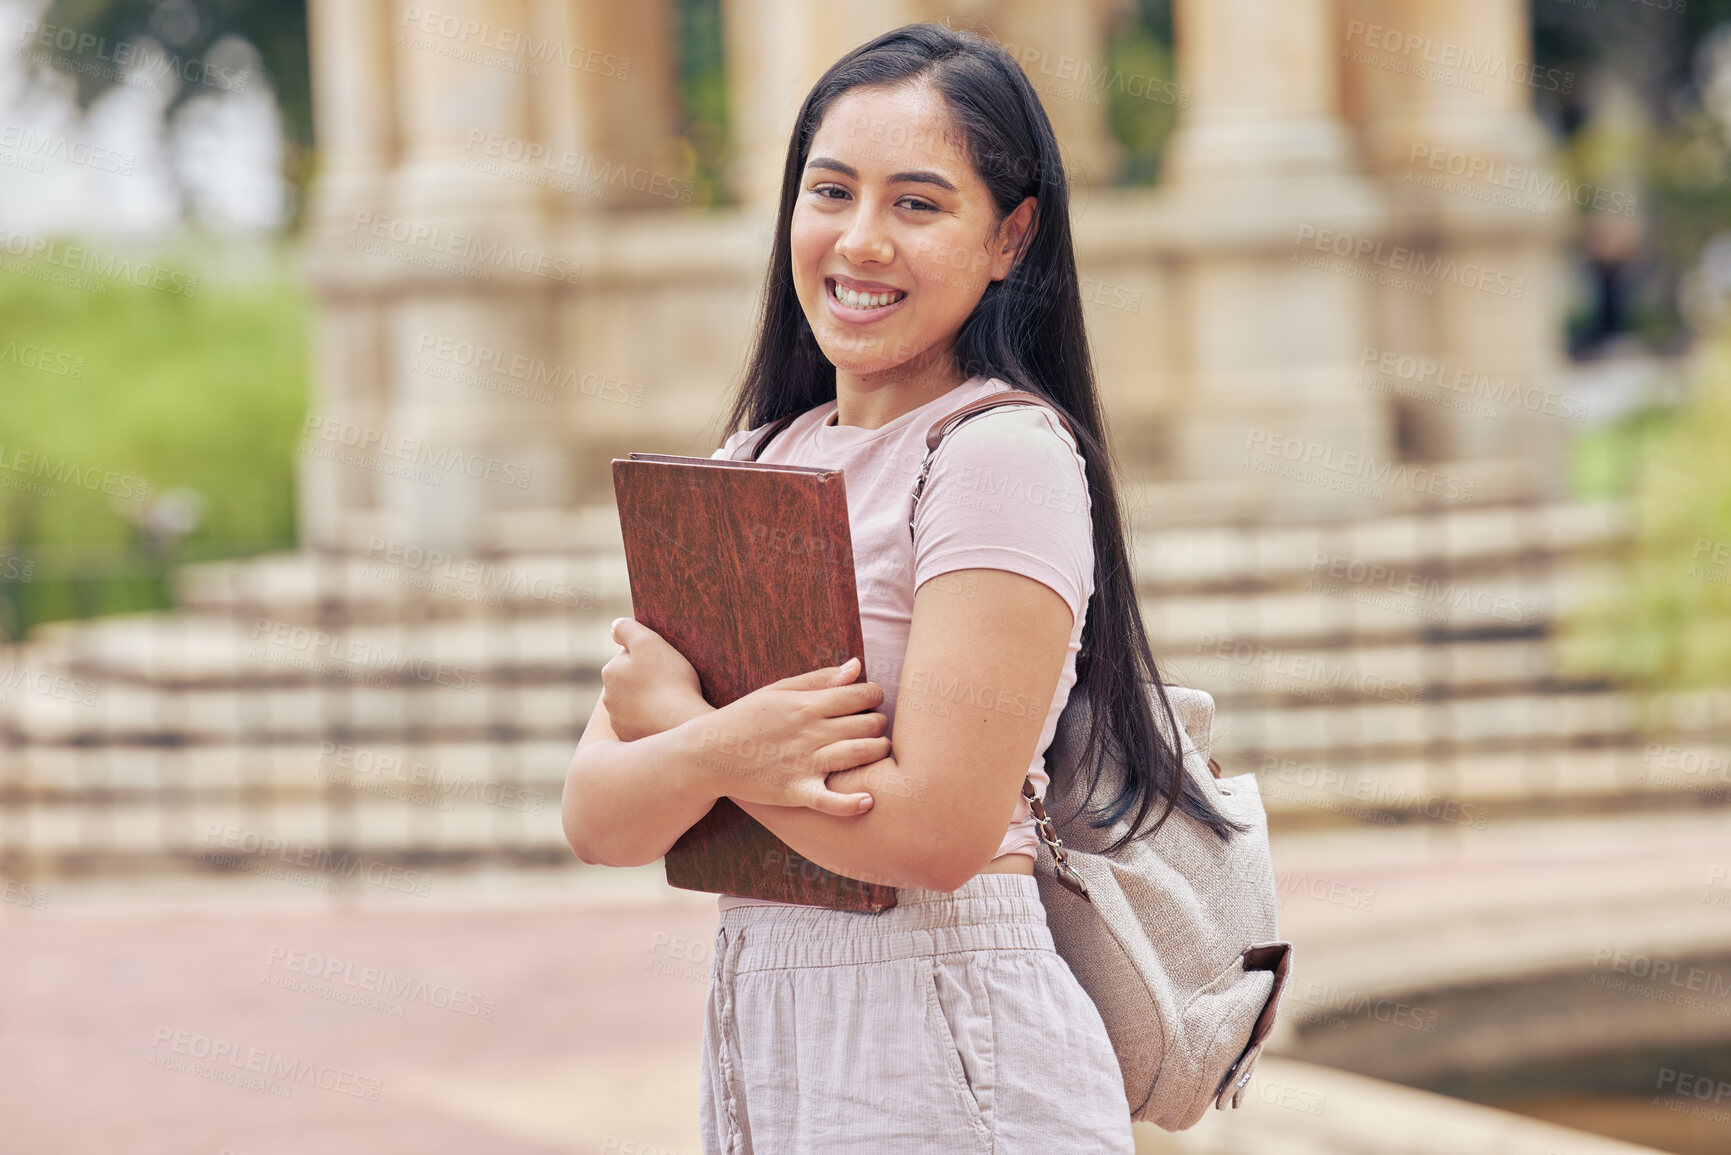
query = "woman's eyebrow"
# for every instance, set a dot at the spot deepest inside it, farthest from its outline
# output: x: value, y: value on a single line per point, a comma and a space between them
x: 847, y: 170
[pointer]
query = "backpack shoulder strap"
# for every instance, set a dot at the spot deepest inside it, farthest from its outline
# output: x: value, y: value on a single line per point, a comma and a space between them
x: 773, y: 428
x: 944, y: 424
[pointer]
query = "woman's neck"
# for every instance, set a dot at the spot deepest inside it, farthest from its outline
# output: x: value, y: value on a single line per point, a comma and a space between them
x: 874, y: 400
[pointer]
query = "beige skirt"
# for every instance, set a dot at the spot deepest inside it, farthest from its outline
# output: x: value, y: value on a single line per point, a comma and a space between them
x: 946, y: 1023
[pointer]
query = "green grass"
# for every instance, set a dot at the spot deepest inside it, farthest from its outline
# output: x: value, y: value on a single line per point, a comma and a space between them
x: 204, y: 391
x: 1668, y: 624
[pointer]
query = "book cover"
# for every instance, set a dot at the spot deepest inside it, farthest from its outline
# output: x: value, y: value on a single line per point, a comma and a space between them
x: 746, y: 568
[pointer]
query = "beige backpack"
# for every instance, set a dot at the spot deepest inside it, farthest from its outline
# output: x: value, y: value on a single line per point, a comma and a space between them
x: 1174, y: 937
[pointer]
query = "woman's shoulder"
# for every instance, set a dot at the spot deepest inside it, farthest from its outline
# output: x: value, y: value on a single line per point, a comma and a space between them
x: 740, y: 437
x: 1023, y: 433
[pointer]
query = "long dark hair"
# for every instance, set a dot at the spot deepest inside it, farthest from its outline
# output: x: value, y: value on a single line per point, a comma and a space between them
x: 1028, y: 331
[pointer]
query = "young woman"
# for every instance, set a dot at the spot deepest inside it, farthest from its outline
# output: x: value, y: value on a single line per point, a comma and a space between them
x: 922, y: 259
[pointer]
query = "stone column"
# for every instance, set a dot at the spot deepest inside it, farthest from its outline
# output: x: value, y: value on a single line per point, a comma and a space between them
x: 776, y: 50
x: 352, y: 82
x: 608, y: 106
x: 1062, y: 48
x: 472, y: 267
x: 1261, y: 184
x: 1442, y: 93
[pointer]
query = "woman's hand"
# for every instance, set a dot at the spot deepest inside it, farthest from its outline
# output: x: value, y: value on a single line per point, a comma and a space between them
x: 777, y: 745
x: 649, y: 687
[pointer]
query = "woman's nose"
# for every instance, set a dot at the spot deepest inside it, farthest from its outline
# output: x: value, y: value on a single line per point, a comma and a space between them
x: 865, y: 239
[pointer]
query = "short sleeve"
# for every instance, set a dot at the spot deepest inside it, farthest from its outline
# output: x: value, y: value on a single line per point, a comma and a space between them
x: 1008, y: 490
x: 733, y: 442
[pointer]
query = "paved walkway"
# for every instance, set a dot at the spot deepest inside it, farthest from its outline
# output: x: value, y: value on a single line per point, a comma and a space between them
x: 561, y: 1011
x: 564, y: 1022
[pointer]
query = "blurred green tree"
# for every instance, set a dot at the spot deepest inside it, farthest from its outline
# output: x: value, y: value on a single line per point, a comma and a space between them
x: 198, y: 38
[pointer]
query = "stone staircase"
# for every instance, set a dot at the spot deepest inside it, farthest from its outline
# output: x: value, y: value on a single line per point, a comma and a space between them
x: 391, y: 706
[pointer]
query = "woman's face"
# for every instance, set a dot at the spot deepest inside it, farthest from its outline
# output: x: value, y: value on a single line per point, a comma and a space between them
x: 892, y: 235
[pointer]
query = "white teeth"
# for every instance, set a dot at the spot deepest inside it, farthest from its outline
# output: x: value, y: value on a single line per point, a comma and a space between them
x: 855, y: 300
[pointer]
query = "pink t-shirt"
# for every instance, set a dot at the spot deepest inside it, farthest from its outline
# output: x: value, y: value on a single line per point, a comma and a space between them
x: 1007, y: 490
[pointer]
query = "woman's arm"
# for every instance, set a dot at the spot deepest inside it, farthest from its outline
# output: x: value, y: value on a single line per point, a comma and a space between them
x: 626, y: 803
x: 985, y: 650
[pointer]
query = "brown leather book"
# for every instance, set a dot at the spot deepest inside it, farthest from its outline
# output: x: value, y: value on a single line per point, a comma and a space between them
x: 746, y: 568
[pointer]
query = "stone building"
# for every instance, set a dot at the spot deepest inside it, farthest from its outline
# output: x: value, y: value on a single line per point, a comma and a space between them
x: 1329, y: 272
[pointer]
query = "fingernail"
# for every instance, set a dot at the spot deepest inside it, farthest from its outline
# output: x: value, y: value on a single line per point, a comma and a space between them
x: 866, y: 802
x: 615, y: 624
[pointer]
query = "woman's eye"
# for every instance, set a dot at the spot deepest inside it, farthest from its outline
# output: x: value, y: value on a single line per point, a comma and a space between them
x: 917, y: 203
x: 823, y: 190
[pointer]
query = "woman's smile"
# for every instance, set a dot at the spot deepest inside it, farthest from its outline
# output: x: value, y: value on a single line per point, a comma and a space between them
x: 861, y: 302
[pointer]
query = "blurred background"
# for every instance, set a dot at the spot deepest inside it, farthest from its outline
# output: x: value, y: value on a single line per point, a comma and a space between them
x: 321, y: 321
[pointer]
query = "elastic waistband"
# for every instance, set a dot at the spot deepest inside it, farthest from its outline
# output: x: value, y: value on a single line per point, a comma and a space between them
x: 988, y: 912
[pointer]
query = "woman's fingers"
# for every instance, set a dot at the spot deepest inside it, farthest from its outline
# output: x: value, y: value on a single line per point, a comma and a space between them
x: 855, y: 726
x: 851, y: 753
x: 821, y: 678
x: 814, y: 794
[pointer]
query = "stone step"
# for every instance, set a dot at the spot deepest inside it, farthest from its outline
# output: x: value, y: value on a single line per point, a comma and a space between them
x: 150, y: 714
x: 1386, y: 607
x: 286, y: 839
x: 513, y: 774
x: 1243, y: 672
x: 584, y: 569
x: 1465, y: 540
x: 1329, y: 734
x: 200, y: 649
x: 454, y: 803
x: 529, y: 776
x: 1158, y: 503
x: 1467, y: 789
x: 208, y: 648
x: 390, y: 582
